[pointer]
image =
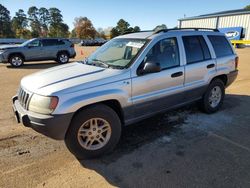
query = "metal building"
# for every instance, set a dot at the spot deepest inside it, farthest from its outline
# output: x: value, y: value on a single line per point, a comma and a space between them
x: 225, y: 19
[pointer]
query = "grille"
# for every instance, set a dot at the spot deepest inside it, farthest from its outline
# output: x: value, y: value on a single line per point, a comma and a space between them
x: 23, y: 98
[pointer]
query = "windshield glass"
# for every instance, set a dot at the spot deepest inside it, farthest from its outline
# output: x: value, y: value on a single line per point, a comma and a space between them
x: 26, y: 42
x: 117, y: 53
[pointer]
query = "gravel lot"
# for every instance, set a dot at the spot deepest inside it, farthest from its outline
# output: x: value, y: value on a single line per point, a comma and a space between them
x: 183, y: 148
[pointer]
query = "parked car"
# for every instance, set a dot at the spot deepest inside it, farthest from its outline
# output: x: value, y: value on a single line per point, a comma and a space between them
x: 130, y: 78
x: 93, y: 42
x: 38, y: 49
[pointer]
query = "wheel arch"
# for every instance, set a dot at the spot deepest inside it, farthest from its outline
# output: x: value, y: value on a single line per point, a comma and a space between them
x: 16, y: 53
x: 222, y: 77
x: 62, y: 51
x: 112, y: 103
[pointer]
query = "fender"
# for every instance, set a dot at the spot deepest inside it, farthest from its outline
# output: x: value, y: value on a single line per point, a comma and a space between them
x: 74, y: 104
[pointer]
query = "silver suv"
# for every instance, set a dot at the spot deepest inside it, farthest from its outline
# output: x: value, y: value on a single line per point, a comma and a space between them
x: 38, y: 49
x: 130, y: 78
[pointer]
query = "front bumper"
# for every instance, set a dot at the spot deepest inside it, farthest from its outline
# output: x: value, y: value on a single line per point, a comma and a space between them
x: 2, y: 59
x: 53, y: 126
x: 231, y: 77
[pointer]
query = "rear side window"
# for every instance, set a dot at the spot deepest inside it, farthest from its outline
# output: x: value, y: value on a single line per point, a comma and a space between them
x: 52, y: 42
x: 196, y: 49
x: 221, y: 45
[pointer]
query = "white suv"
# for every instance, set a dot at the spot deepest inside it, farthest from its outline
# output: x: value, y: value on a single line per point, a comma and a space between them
x: 130, y: 78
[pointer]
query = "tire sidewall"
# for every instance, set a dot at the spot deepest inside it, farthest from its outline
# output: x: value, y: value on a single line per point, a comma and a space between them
x: 96, y: 111
x: 207, y: 106
x: 13, y: 56
x: 58, y: 57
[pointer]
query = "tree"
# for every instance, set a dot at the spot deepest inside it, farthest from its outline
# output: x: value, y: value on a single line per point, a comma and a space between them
x: 5, y: 23
x: 159, y: 27
x: 73, y: 33
x: 101, y: 33
x: 35, y: 25
x: 122, y: 27
x: 114, y: 32
x: 247, y: 7
x: 137, y: 29
x: 84, y: 28
x: 63, y: 30
x: 20, y: 24
x: 44, y: 19
x: 57, y: 28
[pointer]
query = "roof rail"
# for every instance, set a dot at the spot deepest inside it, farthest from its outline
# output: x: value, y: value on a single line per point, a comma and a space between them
x: 176, y: 29
x: 129, y: 32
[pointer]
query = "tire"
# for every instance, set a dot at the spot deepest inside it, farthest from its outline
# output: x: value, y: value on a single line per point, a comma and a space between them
x: 214, y: 96
x: 16, y: 60
x: 85, y: 146
x: 63, y: 57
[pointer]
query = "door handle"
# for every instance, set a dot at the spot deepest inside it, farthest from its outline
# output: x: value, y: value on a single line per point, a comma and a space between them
x: 211, y: 66
x: 177, y: 74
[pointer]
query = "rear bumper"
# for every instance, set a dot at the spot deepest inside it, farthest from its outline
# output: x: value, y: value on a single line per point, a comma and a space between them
x: 231, y: 77
x: 73, y: 55
x: 53, y: 126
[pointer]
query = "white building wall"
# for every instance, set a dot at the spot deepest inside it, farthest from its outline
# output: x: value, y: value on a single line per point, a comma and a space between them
x: 200, y: 23
x: 223, y: 21
x: 236, y: 21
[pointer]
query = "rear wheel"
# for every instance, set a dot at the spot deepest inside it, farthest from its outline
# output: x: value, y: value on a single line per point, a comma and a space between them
x: 16, y: 60
x: 93, y: 132
x: 63, y: 57
x: 214, y: 96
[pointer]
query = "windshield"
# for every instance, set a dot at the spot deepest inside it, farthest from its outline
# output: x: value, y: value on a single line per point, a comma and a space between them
x: 117, y: 53
x: 26, y: 42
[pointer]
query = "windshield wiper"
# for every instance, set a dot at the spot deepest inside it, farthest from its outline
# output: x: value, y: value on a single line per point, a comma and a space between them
x: 116, y: 66
x: 100, y: 62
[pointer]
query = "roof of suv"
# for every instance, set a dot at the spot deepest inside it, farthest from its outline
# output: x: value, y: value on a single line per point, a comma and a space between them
x: 153, y: 34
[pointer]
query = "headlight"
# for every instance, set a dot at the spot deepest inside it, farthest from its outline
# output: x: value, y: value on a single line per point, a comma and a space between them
x: 42, y: 104
x: 2, y: 51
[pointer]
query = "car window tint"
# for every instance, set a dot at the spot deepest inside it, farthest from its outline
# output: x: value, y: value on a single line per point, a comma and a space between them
x: 206, y: 52
x: 193, y: 49
x: 221, y: 46
x: 34, y: 43
x: 165, y: 52
x: 52, y: 42
x: 59, y: 42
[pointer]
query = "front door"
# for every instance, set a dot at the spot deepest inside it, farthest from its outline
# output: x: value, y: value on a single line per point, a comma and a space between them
x: 155, y: 92
x: 34, y: 50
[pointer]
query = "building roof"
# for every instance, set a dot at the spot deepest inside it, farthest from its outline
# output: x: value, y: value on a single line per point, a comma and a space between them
x: 222, y: 13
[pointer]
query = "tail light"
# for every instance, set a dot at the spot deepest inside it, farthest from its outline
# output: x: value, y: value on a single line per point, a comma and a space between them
x: 236, y: 62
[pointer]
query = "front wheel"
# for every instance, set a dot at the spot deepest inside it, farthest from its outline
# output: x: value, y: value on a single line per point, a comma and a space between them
x: 214, y: 96
x: 94, y: 131
x: 16, y: 60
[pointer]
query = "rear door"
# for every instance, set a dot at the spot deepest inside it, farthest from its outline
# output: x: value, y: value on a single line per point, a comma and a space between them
x: 49, y: 48
x: 225, y: 55
x: 156, y: 92
x: 199, y: 68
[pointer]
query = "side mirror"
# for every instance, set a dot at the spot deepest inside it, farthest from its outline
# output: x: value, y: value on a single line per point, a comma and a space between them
x: 151, y: 67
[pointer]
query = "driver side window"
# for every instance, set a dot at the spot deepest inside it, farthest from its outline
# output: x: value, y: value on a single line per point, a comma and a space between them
x: 165, y: 52
x: 35, y: 43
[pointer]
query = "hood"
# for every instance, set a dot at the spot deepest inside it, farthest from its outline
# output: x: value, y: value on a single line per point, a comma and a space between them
x: 74, y: 76
x: 5, y: 47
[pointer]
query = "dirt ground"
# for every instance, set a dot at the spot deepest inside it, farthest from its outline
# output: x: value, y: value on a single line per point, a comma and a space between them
x: 183, y: 148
